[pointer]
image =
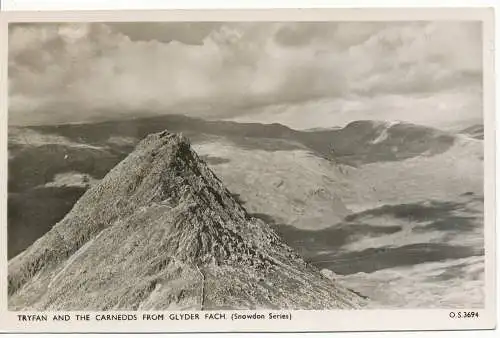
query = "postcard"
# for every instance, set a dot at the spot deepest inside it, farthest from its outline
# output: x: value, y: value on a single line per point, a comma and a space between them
x: 248, y: 170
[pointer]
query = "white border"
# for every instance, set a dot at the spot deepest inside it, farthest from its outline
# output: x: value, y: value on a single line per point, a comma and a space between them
x: 58, y: 5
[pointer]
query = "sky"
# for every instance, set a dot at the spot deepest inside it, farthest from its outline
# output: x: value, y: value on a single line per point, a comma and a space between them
x: 301, y: 74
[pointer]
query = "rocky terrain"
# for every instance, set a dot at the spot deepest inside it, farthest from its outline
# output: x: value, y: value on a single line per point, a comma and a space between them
x: 309, y: 179
x: 376, y: 202
x: 160, y: 231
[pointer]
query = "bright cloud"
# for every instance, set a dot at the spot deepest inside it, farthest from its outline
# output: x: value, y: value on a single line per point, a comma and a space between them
x: 249, y: 71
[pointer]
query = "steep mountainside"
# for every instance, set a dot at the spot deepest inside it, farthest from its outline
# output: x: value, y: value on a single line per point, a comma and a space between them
x: 308, y: 179
x: 54, y: 161
x: 160, y: 231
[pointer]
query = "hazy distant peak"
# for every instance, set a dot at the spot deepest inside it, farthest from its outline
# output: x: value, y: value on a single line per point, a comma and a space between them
x: 322, y: 129
x: 375, y: 123
x: 475, y: 131
x: 390, y: 124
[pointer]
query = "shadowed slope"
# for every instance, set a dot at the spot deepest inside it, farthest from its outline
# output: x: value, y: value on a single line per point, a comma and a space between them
x: 362, y: 142
x: 161, y: 231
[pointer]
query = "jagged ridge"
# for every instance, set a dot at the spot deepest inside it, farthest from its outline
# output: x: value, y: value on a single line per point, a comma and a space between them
x: 161, y: 231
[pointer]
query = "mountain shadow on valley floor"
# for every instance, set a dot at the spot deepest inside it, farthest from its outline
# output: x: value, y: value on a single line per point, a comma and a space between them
x: 374, y: 259
x: 310, y: 243
x: 325, y: 248
x: 419, y: 212
x: 454, y: 216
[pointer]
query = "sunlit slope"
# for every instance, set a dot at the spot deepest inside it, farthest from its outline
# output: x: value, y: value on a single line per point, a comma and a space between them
x: 161, y: 231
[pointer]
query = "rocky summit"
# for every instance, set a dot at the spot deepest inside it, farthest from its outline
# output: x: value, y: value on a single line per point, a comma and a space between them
x: 161, y: 231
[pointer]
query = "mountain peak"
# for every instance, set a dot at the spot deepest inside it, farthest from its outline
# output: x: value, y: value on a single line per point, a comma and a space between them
x: 161, y: 231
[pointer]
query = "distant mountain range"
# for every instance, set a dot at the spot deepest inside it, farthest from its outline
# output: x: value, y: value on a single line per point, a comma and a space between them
x: 475, y: 131
x: 39, y: 155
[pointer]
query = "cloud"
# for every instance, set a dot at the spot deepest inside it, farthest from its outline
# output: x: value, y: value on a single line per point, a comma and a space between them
x: 452, y: 109
x: 190, y: 33
x: 66, y: 72
x: 340, y: 35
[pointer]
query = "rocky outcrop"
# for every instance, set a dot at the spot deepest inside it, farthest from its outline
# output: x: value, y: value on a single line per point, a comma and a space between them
x: 161, y: 231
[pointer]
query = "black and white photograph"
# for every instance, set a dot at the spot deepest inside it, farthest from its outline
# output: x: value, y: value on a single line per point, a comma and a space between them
x: 246, y: 165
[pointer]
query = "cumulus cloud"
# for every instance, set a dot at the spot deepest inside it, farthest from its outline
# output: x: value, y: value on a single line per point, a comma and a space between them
x: 78, y: 72
x: 188, y: 33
